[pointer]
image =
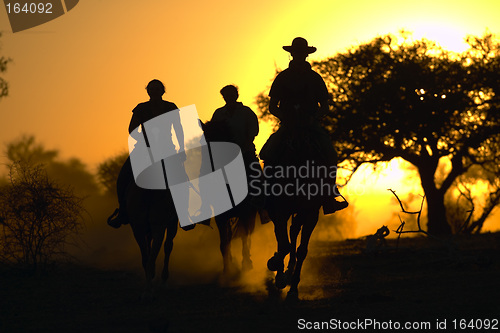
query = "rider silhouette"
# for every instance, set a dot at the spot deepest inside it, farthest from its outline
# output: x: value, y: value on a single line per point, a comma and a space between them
x: 299, y: 97
x: 243, y: 125
x: 240, y: 120
x: 143, y: 112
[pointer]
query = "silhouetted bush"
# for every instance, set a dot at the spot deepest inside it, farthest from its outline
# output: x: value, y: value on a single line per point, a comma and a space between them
x: 38, y: 217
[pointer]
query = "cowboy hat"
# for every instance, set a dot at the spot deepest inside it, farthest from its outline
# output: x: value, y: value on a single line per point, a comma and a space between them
x: 299, y: 44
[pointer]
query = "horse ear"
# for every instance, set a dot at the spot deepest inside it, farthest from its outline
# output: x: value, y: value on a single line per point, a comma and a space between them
x: 200, y: 123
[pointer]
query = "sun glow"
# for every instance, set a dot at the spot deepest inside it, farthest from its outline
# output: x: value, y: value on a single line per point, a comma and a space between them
x: 450, y: 37
x: 368, y: 191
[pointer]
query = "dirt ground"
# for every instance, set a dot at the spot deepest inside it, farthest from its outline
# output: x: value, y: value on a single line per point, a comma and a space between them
x: 420, y: 281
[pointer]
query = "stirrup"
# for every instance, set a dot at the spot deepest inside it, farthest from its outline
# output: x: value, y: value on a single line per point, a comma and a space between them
x: 114, y: 220
x: 333, y: 205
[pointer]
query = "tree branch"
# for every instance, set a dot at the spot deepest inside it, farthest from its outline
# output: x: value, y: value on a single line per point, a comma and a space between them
x: 400, y: 231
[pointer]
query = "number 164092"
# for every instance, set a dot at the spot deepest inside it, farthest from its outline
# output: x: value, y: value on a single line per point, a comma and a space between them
x: 475, y: 324
x: 29, y: 8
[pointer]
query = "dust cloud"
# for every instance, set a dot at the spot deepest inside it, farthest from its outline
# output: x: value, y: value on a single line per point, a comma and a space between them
x: 196, y: 258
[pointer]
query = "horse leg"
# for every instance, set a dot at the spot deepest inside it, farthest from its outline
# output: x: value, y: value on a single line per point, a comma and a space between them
x: 248, y: 223
x: 142, y: 241
x: 294, y: 233
x: 275, y: 263
x: 309, y: 223
x: 157, y: 235
x: 246, y: 263
x: 225, y: 243
x: 169, y: 244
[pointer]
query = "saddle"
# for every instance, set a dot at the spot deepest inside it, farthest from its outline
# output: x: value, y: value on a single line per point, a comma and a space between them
x: 308, y: 142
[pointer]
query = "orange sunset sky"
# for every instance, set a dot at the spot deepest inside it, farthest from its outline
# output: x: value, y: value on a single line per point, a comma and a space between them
x: 74, y: 80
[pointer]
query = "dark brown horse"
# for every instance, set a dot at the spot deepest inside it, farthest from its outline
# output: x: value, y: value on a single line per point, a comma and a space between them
x: 151, y: 214
x: 295, y: 194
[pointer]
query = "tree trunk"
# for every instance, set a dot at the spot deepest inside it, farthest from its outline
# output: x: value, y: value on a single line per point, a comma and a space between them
x: 437, y: 223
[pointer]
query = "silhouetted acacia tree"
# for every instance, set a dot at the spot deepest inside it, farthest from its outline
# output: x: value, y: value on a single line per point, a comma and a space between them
x: 394, y: 97
x: 38, y: 217
x: 4, y: 87
x: 475, y: 195
x: 419, y: 102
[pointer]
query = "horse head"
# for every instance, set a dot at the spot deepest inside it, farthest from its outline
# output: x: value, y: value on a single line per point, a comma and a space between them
x: 216, y: 131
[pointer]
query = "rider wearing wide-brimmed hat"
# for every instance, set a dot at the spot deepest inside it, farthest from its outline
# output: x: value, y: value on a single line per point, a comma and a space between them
x: 298, y: 93
x: 299, y: 97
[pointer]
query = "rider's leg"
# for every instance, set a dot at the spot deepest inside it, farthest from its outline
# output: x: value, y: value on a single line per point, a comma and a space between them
x: 125, y: 177
x: 331, y: 192
x: 255, y: 180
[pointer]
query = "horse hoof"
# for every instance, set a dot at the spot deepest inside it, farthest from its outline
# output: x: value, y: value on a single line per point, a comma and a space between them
x: 114, y: 220
x: 275, y: 263
x: 280, y: 281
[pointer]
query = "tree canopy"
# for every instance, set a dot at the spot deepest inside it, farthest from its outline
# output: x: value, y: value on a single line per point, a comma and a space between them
x: 108, y: 171
x: 27, y: 150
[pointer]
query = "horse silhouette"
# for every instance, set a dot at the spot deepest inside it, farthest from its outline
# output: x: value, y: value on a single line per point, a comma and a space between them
x: 237, y: 222
x: 297, y: 149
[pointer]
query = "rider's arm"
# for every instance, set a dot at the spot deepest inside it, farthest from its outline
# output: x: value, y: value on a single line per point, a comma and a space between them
x: 135, y: 122
x: 252, y: 125
x: 274, y: 107
x: 179, y: 132
x: 323, y: 107
x: 275, y: 95
x: 323, y: 97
